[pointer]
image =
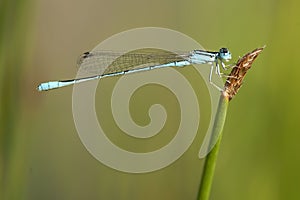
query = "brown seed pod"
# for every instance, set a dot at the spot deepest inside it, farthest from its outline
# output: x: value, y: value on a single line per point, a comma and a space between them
x: 238, y: 72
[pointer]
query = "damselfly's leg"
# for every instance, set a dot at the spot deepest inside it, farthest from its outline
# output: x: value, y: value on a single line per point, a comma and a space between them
x: 231, y: 66
x: 223, y: 66
x: 228, y: 81
x: 218, y: 69
x: 228, y: 76
x: 210, y: 79
x: 219, y: 72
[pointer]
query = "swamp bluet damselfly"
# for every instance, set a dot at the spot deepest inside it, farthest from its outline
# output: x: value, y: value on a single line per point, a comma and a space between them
x: 106, y: 64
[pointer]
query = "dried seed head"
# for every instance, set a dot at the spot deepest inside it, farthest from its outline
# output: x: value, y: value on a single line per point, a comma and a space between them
x: 237, y: 74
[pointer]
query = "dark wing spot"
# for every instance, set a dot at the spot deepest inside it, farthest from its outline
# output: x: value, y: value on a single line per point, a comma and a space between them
x: 86, y: 54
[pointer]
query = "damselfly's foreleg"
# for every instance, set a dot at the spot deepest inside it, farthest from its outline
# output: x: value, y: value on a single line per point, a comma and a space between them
x: 218, y: 71
x: 223, y: 65
x: 230, y: 66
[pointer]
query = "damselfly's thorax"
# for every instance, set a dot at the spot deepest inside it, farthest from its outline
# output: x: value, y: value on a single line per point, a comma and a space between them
x: 202, y: 56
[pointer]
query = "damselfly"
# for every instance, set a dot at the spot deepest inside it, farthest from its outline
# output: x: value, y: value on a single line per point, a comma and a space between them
x: 105, y: 64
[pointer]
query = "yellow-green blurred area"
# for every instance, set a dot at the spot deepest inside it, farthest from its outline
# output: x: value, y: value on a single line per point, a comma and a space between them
x: 41, y: 155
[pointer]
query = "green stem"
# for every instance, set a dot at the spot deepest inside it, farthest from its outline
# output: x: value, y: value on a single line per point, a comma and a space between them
x: 210, y: 161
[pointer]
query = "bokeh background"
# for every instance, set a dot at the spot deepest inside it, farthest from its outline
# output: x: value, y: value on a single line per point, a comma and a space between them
x: 41, y: 156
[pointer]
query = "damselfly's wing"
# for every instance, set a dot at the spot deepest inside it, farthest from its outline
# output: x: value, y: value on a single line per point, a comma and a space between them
x: 106, y: 62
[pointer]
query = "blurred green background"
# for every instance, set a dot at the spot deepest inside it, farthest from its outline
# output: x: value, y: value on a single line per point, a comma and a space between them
x: 41, y: 156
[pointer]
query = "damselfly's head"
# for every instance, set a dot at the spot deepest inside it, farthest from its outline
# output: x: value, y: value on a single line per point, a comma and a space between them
x: 224, y: 54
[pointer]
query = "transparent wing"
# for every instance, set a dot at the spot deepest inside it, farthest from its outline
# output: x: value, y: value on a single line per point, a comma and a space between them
x: 106, y: 62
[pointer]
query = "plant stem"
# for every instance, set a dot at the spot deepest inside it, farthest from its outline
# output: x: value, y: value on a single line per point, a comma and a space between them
x: 210, y: 161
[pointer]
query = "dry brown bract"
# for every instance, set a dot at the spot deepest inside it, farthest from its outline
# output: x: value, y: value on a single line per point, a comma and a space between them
x: 237, y: 74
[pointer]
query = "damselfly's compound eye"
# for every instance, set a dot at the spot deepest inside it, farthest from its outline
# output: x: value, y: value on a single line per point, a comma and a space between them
x: 223, y: 50
x: 224, y: 54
